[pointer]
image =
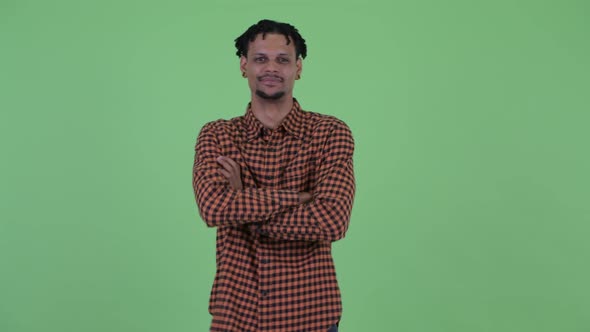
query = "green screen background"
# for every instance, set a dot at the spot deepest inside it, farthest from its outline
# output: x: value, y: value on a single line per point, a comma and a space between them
x: 471, y: 125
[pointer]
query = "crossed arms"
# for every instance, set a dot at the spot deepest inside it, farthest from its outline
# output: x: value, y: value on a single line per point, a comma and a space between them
x: 282, y: 214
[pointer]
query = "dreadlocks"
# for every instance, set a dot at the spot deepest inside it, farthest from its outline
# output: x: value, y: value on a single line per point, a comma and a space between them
x: 269, y: 26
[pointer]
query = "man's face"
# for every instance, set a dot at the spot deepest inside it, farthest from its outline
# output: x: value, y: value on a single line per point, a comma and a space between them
x: 271, y: 66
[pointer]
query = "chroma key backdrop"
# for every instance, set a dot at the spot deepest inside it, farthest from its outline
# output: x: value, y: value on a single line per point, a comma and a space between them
x: 471, y: 121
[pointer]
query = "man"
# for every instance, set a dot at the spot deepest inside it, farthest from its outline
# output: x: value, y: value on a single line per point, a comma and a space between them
x: 278, y: 184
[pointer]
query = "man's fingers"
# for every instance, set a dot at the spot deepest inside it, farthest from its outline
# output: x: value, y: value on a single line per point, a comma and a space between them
x: 225, y: 173
x: 231, y: 170
x: 231, y: 162
x: 223, y: 162
x: 228, y: 162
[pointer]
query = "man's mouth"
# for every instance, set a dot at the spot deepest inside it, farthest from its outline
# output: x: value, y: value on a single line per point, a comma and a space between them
x: 270, y: 79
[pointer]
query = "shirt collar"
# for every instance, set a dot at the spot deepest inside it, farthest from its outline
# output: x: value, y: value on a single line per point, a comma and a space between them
x: 293, y: 123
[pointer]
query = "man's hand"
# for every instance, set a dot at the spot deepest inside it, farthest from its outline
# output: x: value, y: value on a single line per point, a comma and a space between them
x: 304, y: 197
x: 231, y: 170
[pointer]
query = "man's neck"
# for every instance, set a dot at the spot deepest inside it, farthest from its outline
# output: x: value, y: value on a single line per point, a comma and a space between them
x: 271, y: 112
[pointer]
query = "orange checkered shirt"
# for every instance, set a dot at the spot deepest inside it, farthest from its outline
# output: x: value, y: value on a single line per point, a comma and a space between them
x: 273, y: 255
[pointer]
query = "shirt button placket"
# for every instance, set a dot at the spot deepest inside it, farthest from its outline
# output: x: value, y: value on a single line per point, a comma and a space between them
x: 274, y: 166
x: 263, y: 270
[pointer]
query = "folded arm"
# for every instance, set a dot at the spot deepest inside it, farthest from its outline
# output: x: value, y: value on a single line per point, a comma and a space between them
x: 220, y: 204
x: 326, y: 217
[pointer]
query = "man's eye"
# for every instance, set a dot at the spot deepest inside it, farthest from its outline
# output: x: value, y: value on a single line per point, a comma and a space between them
x: 283, y: 60
x: 259, y: 59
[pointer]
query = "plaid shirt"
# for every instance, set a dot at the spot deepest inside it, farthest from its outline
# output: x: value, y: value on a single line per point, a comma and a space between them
x: 273, y: 255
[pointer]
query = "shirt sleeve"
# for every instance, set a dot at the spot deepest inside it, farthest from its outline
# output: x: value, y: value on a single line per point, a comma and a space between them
x: 326, y: 217
x: 221, y: 205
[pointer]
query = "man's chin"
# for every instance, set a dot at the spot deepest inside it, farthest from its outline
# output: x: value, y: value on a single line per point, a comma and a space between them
x: 272, y: 96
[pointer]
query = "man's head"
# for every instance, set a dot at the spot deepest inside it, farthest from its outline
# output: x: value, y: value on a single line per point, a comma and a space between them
x: 271, y: 56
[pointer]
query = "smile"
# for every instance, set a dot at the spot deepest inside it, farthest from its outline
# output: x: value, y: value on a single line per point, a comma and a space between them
x: 270, y: 79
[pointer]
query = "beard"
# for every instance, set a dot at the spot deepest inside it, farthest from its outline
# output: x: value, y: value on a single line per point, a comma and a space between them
x: 264, y: 95
x: 274, y: 96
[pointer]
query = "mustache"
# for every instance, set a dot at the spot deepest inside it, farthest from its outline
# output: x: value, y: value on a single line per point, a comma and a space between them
x: 277, y: 77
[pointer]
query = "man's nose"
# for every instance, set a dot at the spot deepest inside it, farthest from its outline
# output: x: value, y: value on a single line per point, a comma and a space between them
x: 271, y: 66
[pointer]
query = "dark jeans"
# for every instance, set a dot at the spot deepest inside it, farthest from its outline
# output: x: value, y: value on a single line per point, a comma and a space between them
x: 334, y: 328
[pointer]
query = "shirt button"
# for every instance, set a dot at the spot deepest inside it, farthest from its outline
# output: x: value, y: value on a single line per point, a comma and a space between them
x: 264, y: 293
x: 264, y: 261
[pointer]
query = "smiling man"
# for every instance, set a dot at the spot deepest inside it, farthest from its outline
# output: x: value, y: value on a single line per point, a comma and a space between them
x: 278, y: 184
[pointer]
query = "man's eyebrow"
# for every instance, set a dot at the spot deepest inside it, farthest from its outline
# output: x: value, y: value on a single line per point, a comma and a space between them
x: 281, y: 54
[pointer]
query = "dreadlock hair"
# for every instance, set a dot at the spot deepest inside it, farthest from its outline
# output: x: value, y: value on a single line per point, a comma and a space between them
x: 269, y: 26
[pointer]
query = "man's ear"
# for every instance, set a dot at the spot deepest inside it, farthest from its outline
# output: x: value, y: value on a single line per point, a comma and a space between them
x: 243, y: 61
x: 299, y: 64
